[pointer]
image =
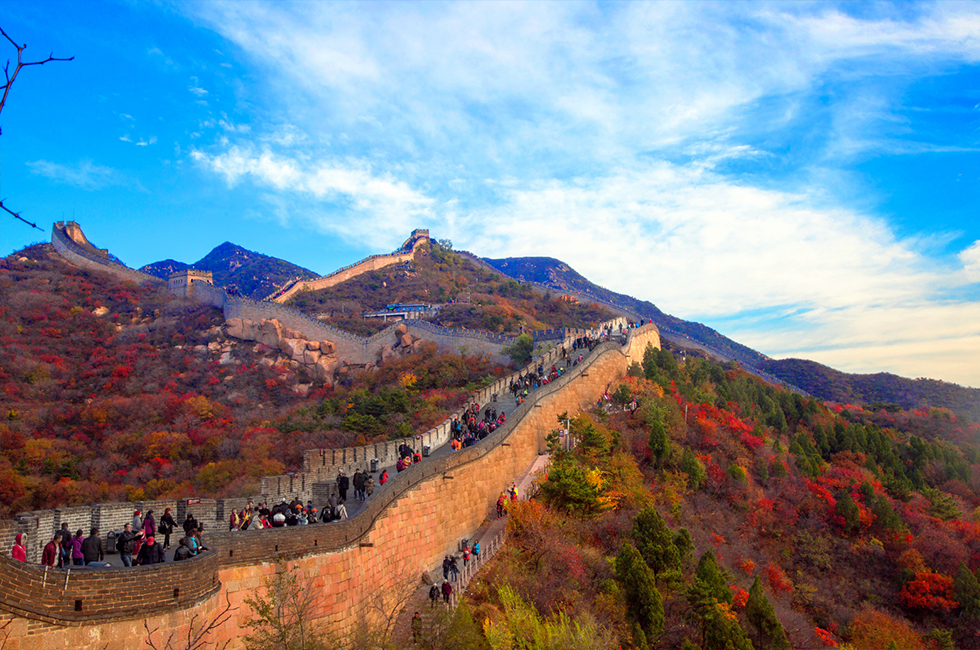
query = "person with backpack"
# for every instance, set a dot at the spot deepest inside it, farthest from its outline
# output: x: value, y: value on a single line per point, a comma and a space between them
x: 433, y: 595
x: 476, y: 550
x: 384, y: 477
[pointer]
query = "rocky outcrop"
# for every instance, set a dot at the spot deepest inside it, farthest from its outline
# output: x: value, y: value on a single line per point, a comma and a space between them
x: 319, y: 357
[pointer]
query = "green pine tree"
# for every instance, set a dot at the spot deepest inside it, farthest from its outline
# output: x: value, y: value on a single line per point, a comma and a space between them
x: 655, y: 541
x: 767, y: 631
x: 643, y: 602
x: 967, y: 590
x: 694, y: 468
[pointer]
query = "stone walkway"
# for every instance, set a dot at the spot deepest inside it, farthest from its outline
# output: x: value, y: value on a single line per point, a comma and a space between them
x: 491, y: 535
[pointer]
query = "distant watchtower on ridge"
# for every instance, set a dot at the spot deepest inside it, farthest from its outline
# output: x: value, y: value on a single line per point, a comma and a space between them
x: 181, y: 283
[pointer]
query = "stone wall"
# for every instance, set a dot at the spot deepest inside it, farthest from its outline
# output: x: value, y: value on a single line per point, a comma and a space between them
x: 380, y: 554
x: 368, y: 264
x: 82, y: 258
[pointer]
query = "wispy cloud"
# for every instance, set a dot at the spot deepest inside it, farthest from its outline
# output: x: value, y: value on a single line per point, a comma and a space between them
x: 615, y: 137
x: 85, y: 174
x: 350, y: 187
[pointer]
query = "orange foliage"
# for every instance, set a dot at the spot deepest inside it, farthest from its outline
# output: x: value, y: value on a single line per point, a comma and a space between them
x: 874, y: 630
x: 747, y: 566
x: 827, y: 639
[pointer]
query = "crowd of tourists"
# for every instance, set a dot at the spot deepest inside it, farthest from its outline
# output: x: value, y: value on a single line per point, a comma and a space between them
x: 139, y: 542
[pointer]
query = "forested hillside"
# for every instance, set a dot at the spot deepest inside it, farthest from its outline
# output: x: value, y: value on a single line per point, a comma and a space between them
x: 724, y: 513
x: 882, y: 389
x: 110, y: 391
x: 477, y: 298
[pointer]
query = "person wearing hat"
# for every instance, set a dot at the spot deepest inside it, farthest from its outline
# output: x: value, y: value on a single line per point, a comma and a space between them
x: 150, y: 552
x: 447, y: 591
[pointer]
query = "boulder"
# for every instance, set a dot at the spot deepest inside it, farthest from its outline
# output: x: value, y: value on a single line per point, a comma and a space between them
x: 312, y: 345
x: 327, y: 347
x: 235, y: 328
x: 100, y: 311
x: 269, y: 333
x: 405, y: 340
x: 387, y: 353
x: 400, y: 329
x: 310, y: 357
x: 225, y: 358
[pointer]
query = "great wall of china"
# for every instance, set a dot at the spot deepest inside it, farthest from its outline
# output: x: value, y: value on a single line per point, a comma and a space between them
x: 401, y: 532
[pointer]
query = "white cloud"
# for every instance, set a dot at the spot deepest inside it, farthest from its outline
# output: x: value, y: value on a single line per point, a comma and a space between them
x: 85, y: 174
x: 374, y: 206
x: 200, y: 92
x: 601, y: 135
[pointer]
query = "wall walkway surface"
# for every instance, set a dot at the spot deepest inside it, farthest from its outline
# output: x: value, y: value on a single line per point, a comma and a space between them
x: 381, y: 553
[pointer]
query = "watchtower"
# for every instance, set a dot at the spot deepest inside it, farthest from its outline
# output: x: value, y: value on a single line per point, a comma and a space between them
x: 181, y: 283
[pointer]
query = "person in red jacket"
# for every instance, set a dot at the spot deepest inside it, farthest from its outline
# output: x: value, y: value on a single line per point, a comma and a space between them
x: 50, y: 555
x: 19, y: 551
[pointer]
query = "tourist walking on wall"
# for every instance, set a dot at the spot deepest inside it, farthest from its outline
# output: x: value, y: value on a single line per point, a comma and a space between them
x: 454, y: 568
x: 50, y: 555
x: 358, y: 485
x: 189, y: 524
x: 137, y: 521
x: 92, y: 547
x: 384, y: 477
x: 433, y: 595
x: 77, y: 559
x: 368, y: 486
x: 126, y: 544
x: 19, y: 551
x: 447, y: 591
x: 150, y: 553
x: 343, y: 484
x: 167, y: 525
x: 149, y: 525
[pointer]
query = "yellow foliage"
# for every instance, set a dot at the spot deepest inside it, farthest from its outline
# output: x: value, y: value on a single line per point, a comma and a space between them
x: 874, y: 630
x: 201, y: 406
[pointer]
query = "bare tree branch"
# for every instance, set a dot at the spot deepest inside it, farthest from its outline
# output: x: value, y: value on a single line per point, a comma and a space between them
x: 8, y: 83
x: 17, y: 214
x: 20, y: 64
x: 197, y: 639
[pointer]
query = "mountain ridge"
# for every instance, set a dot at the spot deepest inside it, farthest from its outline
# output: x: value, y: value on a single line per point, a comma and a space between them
x: 249, y: 273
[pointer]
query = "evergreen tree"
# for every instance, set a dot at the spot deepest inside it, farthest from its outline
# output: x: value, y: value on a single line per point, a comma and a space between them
x: 694, y: 468
x: 767, y: 630
x: 966, y: 587
x: 710, y: 574
x: 643, y: 602
x: 659, y: 441
x: 655, y: 541
x: 847, y: 509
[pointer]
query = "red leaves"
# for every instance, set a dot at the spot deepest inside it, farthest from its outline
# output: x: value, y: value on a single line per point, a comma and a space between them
x: 930, y: 591
x: 827, y: 639
x: 778, y: 581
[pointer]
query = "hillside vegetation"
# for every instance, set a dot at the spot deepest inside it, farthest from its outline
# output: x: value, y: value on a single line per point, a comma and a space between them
x: 478, y: 298
x: 111, y: 391
x: 724, y: 513
x: 880, y: 389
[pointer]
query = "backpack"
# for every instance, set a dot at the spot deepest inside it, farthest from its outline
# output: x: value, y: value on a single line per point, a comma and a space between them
x: 433, y: 593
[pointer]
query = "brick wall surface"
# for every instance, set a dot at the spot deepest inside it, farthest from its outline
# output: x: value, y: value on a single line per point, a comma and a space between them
x: 374, y: 558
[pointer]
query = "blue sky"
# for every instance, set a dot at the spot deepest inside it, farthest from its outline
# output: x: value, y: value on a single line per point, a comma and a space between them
x: 804, y: 177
